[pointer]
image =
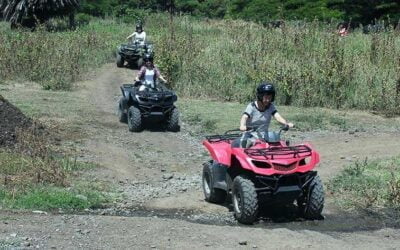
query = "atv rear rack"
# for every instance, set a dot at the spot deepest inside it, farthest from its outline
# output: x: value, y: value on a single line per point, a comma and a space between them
x: 225, y: 137
x: 271, y: 152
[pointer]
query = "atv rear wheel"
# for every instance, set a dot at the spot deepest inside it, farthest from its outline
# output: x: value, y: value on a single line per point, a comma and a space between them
x: 211, y: 194
x: 173, y: 121
x: 134, y: 119
x: 120, y: 61
x: 122, y: 116
x: 312, y: 203
x: 245, y: 202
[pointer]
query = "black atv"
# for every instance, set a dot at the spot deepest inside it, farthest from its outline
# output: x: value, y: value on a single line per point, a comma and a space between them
x: 133, y: 53
x: 152, y: 105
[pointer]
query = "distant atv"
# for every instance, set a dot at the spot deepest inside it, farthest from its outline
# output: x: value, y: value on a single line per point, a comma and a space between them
x: 133, y: 53
x: 152, y: 105
x: 262, y: 171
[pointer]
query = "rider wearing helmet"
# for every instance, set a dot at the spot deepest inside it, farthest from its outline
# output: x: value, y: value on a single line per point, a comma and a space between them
x: 139, y: 35
x: 259, y: 112
x: 148, y: 73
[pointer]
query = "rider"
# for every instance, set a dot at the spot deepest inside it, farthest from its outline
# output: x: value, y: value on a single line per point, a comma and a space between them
x: 149, y: 73
x: 259, y: 112
x: 139, y: 35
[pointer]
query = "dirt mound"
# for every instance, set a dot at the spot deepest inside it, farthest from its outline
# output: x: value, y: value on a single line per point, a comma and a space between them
x: 10, y: 119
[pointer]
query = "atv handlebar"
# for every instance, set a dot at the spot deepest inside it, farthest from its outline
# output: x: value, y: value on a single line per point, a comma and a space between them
x: 255, y: 128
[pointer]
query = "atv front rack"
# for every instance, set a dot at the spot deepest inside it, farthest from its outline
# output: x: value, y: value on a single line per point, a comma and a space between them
x: 271, y: 152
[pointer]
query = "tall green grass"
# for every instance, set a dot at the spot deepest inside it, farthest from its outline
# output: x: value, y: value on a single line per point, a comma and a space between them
x: 370, y: 184
x: 310, y: 64
x: 34, y: 176
x: 56, y: 59
x: 225, y: 60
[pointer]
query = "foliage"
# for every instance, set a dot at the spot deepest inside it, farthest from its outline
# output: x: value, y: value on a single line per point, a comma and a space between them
x: 310, y: 65
x: 368, y: 185
x: 28, y: 12
x: 50, y: 198
x: 33, y: 176
x: 82, y: 19
x: 226, y: 115
x: 56, y: 60
x: 308, y: 62
x: 366, y: 12
x: 263, y: 11
x: 100, y: 8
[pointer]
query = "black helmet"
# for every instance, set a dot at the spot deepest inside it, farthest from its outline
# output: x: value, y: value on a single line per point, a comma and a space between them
x: 148, y: 58
x: 139, y: 27
x: 265, y: 88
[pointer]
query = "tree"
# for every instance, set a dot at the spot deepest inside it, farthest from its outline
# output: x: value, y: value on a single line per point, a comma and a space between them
x: 98, y: 7
x: 367, y: 11
x: 30, y: 12
x: 268, y: 10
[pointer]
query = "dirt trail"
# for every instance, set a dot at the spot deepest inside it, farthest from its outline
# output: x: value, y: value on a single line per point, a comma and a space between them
x: 159, y: 173
x: 132, y: 156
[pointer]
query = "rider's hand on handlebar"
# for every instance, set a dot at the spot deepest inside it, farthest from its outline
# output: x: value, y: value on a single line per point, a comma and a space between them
x: 243, y: 128
x: 290, y: 125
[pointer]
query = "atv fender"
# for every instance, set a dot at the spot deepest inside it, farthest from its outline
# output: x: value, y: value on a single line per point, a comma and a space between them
x: 219, y: 173
x: 220, y: 152
x: 242, y: 159
x: 125, y: 92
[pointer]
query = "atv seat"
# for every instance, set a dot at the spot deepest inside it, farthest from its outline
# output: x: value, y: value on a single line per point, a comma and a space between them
x: 243, y: 142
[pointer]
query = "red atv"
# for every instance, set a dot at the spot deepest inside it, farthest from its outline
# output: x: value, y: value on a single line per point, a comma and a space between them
x: 258, y: 168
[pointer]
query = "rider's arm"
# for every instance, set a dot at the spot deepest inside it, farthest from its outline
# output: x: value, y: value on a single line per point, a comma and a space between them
x: 158, y: 75
x: 282, y: 121
x: 243, y: 122
x: 140, y: 73
x: 131, y: 35
x: 162, y: 79
x: 246, y: 115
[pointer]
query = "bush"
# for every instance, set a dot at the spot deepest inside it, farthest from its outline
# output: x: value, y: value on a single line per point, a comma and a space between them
x: 308, y: 62
x: 82, y: 19
x: 57, y: 60
x: 368, y: 185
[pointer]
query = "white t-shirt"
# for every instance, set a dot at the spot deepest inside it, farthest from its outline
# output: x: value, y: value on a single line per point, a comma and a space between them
x: 140, y: 37
x: 258, y: 117
x: 149, y: 78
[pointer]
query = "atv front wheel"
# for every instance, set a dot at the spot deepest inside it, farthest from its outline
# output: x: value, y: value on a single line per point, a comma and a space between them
x: 120, y: 61
x: 214, y: 195
x: 173, y: 121
x: 134, y: 119
x: 245, y: 202
x: 122, y: 116
x: 312, y: 203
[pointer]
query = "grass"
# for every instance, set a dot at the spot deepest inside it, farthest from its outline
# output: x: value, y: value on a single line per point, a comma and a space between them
x: 35, y: 176
x: 310, y: 65
x: 51, y: 198
x: 57, y: 59
x: 40, y: 183
x: 216, y: 117
x: 369, y: 185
